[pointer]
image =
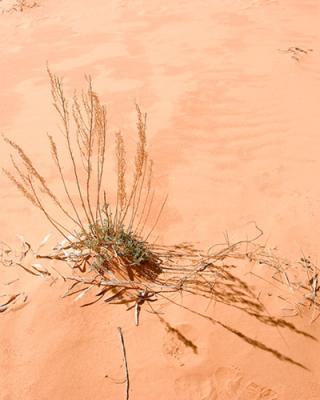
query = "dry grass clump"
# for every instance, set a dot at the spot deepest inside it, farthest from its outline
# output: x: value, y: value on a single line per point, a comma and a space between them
x: 107, y: 237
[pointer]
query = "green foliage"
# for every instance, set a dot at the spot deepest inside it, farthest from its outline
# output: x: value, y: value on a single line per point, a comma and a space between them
x: 108, y: 242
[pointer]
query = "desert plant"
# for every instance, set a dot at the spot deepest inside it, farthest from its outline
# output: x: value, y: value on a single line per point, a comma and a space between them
x: 108, y: 239
x: 112, y: 235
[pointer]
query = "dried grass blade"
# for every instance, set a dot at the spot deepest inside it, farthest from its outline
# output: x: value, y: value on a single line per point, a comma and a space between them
x: 115, y: 296
x: 12, y: 298
x: 83, y: 293
x: 68, y: 292
x: 100, y: 296
x: 61, y: 276
x: 39, y: 268
x: 137, y: 310
x: 43, y: 242
x: 27, y: 270
x: 25, y: 244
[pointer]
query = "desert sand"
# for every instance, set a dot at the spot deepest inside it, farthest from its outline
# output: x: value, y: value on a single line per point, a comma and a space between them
x: 232, y: 93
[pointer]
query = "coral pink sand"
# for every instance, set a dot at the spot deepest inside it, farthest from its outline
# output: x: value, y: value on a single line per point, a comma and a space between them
x: 234, y: 132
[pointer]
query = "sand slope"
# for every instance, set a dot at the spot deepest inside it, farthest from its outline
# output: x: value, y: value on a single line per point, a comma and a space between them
x: 233, y: 130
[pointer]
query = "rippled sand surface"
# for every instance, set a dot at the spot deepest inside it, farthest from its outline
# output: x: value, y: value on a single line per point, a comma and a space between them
x: 232, y: 92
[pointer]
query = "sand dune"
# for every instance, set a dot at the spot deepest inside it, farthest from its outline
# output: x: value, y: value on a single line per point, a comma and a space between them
x: 232, y: 90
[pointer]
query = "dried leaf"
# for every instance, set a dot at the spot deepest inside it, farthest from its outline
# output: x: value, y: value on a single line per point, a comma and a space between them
x: 84, y: 292
x: 103, y: 291
x: 12, y: 298
x: 40, y: 269
x: 137, y: 313
x: 123, y: 301
x: 287, y: 280
x: 68, y: 292
x: 93, y: 302
x: 27, y: 270
x: 114, y: 296
x: 25, y: 244
x: 61, y: 276
x: 43, y: 241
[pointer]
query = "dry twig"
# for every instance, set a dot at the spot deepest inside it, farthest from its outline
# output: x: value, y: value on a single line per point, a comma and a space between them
x: 124, y: 354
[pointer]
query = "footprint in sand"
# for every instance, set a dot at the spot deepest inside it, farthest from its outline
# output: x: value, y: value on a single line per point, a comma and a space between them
x: 225, y: 384
x: 230, y: 385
